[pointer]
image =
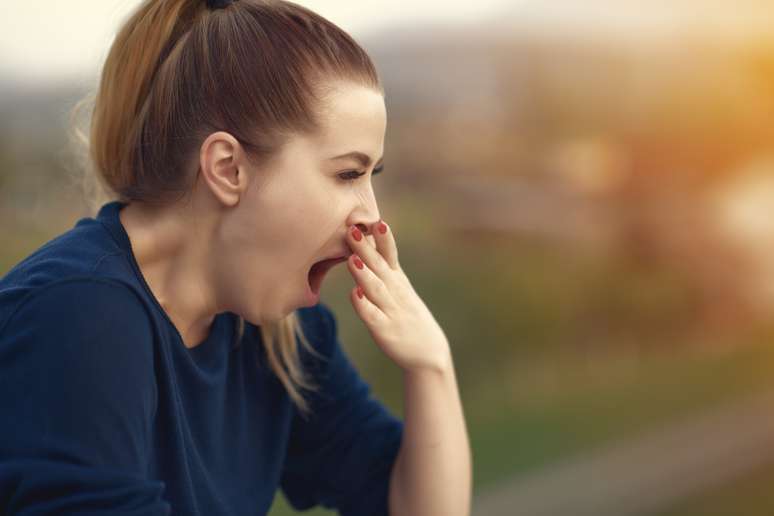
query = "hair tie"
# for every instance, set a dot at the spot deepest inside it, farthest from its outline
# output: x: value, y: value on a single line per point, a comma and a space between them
x: 219, y: 4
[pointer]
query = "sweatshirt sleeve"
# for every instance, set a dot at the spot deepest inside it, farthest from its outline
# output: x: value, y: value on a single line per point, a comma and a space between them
x: 78, y: 395
x: 342, y: 456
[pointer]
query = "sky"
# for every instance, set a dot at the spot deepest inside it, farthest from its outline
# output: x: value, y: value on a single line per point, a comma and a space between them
x: 724, y: 19
x: 53, y: 38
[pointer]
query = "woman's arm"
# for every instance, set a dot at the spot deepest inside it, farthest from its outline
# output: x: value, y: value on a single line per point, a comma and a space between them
x: 433, y: 472
x: 78, y: 396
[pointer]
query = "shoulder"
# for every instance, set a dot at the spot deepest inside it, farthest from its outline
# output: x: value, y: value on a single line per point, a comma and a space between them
x: 78, y: 251
x: 86, y: 252
x: 81, y: 305
x: 87, y: 339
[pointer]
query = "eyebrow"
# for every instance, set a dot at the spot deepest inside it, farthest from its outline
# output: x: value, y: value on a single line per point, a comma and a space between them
x: 362, y: 158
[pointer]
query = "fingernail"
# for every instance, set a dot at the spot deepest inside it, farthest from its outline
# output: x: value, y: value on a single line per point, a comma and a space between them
x: 360, y: 292
x: 357, y: 234
x: 382, y: 227
x: 358, y: 263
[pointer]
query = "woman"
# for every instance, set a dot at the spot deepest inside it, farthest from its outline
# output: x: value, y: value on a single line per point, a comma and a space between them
x: 238, y: 141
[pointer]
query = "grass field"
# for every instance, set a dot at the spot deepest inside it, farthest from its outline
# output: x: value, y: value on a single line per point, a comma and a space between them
x: 749, y: 495
x: 553, y: 426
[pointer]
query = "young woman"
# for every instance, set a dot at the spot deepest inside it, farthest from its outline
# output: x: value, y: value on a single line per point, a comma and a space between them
x: 153, y: 357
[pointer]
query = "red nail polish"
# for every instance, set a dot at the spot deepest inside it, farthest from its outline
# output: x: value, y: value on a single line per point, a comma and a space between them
x: 382, y: 228
x: 360, y: 292
x: 358, y: 263
x: 357, y: 234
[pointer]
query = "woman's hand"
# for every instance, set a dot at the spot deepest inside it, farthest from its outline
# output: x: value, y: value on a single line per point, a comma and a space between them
x: 398, y: 320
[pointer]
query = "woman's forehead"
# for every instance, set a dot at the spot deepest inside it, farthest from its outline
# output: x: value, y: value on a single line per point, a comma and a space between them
x: 353, y: 106
x: 356, y: 124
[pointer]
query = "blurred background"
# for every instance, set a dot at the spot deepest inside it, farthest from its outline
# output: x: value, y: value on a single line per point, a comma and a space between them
x: 582, y: 194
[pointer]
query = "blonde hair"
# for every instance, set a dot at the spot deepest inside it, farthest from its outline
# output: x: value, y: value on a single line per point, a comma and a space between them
x: 178, y: 71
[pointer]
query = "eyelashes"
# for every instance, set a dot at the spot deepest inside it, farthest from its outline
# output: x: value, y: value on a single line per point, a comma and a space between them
x: 354, y: 174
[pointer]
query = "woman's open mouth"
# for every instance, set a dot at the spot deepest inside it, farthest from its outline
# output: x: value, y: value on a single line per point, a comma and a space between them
x: 318, y: 270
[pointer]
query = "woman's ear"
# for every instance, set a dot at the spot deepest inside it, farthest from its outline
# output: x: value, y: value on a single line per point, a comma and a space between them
x: 222, y: 163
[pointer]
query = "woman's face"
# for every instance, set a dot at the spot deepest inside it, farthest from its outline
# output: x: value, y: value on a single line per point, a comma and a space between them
x: 298, y: 211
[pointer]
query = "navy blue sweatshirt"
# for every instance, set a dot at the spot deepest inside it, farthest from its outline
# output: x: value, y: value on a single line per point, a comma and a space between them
x: 106, y: 412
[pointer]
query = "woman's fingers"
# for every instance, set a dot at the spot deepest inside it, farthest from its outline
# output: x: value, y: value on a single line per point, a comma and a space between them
x: 366, y: 310
x: 372, y: 286
x: 385, y: 243
x: 367, y: 252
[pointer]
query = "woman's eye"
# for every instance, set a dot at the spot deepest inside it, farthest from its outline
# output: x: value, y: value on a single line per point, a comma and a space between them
x: 354, y: 174
x: 350, y: 176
